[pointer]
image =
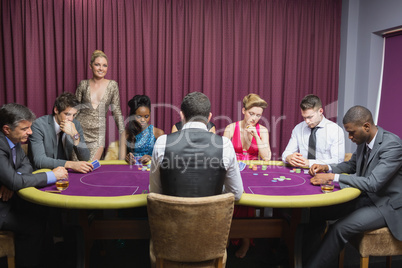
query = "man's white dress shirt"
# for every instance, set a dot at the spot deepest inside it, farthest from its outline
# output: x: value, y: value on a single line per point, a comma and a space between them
x: 330, y: 146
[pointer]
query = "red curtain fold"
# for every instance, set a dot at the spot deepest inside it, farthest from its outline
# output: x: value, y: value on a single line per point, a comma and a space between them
x: 279, y: 49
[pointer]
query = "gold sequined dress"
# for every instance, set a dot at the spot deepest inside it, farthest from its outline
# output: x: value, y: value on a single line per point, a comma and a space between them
x: 93, y: 120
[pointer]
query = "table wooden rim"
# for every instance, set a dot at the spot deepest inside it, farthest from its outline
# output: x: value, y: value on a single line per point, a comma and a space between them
x: 34, y: 195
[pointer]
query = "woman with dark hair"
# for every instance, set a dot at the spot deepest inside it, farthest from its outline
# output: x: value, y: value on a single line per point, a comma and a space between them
x: 140, y: 135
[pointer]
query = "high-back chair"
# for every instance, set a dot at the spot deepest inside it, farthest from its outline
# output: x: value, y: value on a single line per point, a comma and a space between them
x: 348, y: 156
x: 379, y: 242
x: 189, y: 231
x: 25, y: 148
x: 7, y: 247
x: 112, y: 152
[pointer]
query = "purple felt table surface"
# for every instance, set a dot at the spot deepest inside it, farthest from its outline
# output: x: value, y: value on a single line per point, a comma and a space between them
x: 118, y: 180
x: 255, y: 182
x: 108, y: 180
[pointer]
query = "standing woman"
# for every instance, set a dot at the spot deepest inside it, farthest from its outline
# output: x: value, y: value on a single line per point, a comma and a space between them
x: 140, y: 136
x: 96, y: 96
x: 250, y: 139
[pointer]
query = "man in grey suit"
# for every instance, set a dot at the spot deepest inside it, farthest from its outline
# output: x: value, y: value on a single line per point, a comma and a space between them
x: 24, y: 219
x: 376, y: 170
x: 55, y: 137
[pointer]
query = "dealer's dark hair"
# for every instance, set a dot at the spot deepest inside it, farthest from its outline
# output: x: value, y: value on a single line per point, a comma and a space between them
x: 196, y: 107
x: 133, y: 128
x: 12, y: 114
x: 139, y: 101
x: 65, y: 100
x: 310, y: 102
x: 358, y: 115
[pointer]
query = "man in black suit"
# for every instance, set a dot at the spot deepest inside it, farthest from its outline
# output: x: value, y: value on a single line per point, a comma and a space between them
x: 24, y: 219
x: 376, y: 170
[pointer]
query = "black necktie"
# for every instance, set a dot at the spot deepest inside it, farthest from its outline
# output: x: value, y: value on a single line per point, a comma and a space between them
x: 312, y: 143
x: 60, y: 148
x: 365, y: 160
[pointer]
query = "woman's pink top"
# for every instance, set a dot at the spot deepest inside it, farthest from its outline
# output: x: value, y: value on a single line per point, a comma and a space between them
x: 252, y: 152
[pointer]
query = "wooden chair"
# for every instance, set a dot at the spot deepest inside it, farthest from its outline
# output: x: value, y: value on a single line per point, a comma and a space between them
x: 112, y: 152
x: 7, y: 247
x: 189, y: 231
x: 379, y: 242
x: 348, y: 156
x: 24, y: 147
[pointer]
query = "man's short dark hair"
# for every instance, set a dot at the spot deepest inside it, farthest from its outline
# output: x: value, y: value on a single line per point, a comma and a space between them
x: 64, y: 101
x: 310, y: 102
x: 358, y: 115
x: 12, y: 114
x: 196, y: 107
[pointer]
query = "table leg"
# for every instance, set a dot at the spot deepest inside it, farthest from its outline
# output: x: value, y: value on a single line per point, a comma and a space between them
x: 294, y: 236
x: 299, y: 224
x: 88, y: 240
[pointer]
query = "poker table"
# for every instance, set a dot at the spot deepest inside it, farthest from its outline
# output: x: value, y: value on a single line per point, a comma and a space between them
x: 264, y: 188
x: 116, y: 185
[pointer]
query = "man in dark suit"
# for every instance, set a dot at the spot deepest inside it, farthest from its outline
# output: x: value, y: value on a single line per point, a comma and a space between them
x: 17, y: 215
x: 55, y: 137
x: 375, y: 169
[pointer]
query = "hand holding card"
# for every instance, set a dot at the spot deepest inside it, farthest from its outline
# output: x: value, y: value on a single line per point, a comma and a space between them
x: 95, y: 164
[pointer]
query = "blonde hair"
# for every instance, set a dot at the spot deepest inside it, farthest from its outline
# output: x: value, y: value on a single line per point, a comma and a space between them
x: 97, y: 54
x: 253, y: 100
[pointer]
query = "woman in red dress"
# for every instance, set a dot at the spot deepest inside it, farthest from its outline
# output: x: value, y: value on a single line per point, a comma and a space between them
x: 251, y: 142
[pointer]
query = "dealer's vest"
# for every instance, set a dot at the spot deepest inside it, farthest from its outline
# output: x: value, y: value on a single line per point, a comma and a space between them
x: 192, y: 165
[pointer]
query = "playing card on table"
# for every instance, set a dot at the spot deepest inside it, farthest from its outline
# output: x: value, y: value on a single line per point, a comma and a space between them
x: 137, y: 160
x: 96, y: 164
x: 242, y: 166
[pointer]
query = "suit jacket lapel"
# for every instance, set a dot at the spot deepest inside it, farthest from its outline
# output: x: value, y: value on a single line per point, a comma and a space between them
x: 376, y: 146
x: 52, y: 133
x: 10, y: 158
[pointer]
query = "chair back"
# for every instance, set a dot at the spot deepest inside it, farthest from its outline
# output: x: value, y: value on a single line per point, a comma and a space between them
x: 112, y: 152
x: 24, y: 147
x: 190, y: 229
x: 348, y: 156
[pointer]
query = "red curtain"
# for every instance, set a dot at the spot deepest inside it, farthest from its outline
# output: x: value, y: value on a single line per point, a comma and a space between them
x: 279, y: 49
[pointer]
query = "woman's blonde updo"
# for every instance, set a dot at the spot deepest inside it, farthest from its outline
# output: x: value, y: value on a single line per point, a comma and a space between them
x: 97, y: 54
x: 253, y: 100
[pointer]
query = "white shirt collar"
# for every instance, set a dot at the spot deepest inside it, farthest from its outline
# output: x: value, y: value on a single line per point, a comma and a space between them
x: 56, y: 126
x: 371, y: 144
x: 195, y: 125
x: 322, y: 123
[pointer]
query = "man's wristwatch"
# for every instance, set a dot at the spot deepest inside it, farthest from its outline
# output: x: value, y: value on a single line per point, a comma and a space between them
x: 76, y: 136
